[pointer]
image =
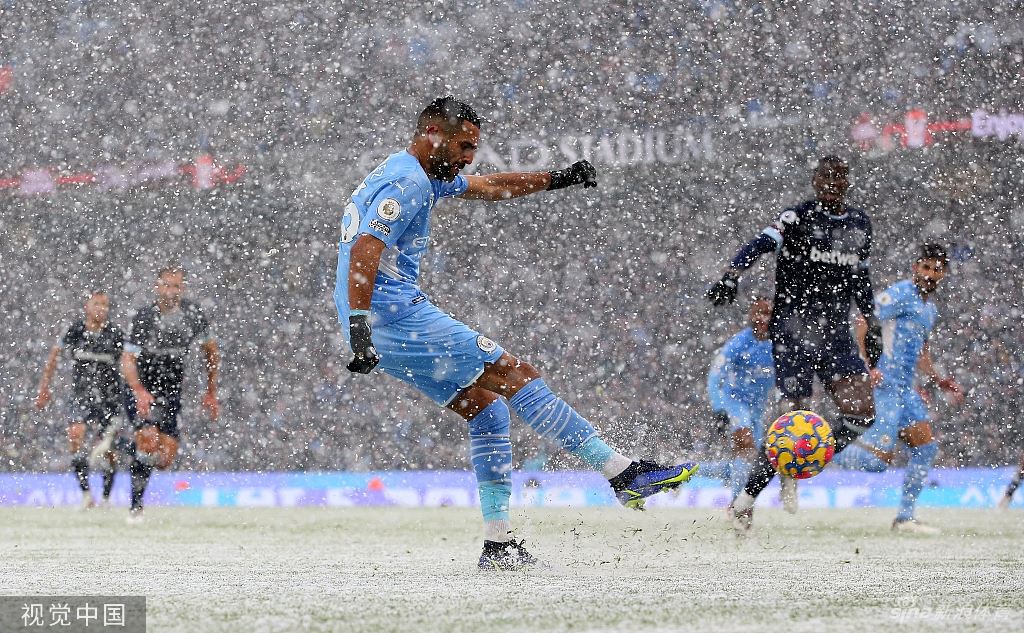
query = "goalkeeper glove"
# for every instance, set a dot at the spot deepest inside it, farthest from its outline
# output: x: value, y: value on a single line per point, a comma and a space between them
x: 724, y: 291
x: 579, y: 173
x: 362, y: 345
x: 873, y: 340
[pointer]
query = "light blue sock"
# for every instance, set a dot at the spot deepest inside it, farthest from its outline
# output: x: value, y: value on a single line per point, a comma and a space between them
x: 491, y: 454
x: 921, y: 460
x: 594, y: 452
x: 554, y: 420
x: 739, y: 473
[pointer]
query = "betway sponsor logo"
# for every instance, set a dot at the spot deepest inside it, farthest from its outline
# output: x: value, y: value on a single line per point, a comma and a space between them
x: 834, y: 257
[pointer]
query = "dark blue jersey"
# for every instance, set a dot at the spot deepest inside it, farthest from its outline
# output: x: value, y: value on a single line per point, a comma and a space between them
x: 821, y: 262
x: 161, y: 342
x: 97, y: 358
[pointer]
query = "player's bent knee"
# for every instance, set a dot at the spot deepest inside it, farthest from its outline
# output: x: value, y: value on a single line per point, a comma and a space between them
x: 917, y: 434
x: 168, y: 451
x: 147, y: 440
x: 471, y: 401
x: 742, y: 441
x: 511, y: 366
x: 507, y: 375
x: 76, y: 435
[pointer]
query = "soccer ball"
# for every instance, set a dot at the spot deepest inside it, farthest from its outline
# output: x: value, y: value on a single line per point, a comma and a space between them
x: 799, y: 444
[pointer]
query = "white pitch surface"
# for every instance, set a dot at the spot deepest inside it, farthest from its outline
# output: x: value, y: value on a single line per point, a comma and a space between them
x: 308, y: 569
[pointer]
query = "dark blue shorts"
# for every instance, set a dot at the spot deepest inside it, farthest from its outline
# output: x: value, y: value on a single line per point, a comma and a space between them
x: 163, y: 414
x: 96, y: 413
x: 804, y: 347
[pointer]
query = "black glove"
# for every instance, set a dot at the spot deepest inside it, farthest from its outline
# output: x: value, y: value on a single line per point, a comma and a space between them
x: 724, y: 291
x: 362, y: 345
x: 873, y: 340
x: 579, y: 173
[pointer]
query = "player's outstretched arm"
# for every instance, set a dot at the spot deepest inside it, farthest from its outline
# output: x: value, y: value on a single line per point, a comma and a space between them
x: 507, y: 185
x: 44, y: 396
x: 130, y: 371
x: 860, y: 334
x: 363, y: 263
x: 926, y: 366
x: 864, y: 298
x: 212, y: 354
x: 724, y: 290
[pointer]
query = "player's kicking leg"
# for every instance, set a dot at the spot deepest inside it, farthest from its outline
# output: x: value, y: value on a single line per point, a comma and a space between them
x: 554, y: 420
x: 472, y: 375
x: 1011, y: 488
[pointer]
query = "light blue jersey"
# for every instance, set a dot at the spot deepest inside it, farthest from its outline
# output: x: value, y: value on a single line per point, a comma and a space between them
x: 741, y: 379
x: 393, y: 203
x: 907, y: 320
x: 417, y: 342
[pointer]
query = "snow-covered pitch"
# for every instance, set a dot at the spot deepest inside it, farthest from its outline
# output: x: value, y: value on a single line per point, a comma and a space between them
x: 308, y: 569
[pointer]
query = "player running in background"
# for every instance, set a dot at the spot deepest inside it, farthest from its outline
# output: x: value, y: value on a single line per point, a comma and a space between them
x: 908, y: 315
x: 153, y: 364
x: 95, y: 345
x: 389, y: 321
x: 739, y: 384
x: 822, y: 248
x: 1011, y: 488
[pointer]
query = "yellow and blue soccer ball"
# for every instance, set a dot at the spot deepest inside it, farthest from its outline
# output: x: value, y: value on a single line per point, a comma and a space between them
x: 800, y: 444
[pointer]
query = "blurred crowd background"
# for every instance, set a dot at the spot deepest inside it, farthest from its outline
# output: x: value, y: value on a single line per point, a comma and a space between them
x: 602, y: 290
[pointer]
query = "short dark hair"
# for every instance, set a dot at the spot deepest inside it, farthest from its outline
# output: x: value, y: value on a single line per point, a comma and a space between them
x: 931, y: 250
x: 449, y: 112
x: 832, y: 160
x: 171, y: 270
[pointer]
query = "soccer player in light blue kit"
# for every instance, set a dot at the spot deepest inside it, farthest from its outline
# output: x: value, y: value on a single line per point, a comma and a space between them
x: 390, y: 323
x: 908, y: 315
x: 740, y: 382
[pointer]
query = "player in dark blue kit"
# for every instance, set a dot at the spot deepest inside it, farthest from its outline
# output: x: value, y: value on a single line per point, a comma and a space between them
x: 391, y: 324
x: 740, y: 382
x: 95, y: 345
x: 822, y: 249
x: 153, y: 364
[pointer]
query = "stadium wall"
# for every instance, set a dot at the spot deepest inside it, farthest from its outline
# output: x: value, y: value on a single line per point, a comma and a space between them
x: 948, y: 488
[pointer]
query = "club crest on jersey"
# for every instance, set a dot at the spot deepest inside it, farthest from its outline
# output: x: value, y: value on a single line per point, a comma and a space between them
x: 787, y: 218
x: 389, y: 209
x: 485, y: 344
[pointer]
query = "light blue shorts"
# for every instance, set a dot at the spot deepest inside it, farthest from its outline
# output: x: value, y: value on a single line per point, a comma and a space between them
x: 433, y: 352
x: 895, y: 410
x: 745, y: 416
